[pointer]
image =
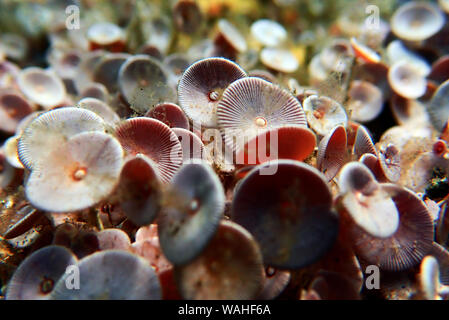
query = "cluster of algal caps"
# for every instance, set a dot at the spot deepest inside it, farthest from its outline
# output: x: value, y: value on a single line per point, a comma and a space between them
x: 173, y: 223
x: 83, y: 158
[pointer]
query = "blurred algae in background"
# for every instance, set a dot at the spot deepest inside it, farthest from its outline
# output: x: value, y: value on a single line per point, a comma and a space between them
x: 98, y: 99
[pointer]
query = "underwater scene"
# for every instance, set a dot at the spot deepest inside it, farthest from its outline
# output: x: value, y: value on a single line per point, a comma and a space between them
x: 224, y: 150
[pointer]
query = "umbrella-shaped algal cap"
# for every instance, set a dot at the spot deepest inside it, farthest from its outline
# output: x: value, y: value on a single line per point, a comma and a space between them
x: 170, y: 114
x: 187, y: 16
x: 13, y: 46
x: 439, y: 106
x: 417, y: 21
x: 429, y: 279
x: 264, y: 74
x: 101, y: 109
x: 78, y: 174
x: 229, y: 40
x: 64, y: 62
x: 396, y: 51
x: 275, y: 282
x: 440, y: 69
x: 332, y: 152
x: 111, y: 275
x: 155, y: 140
x: 351, y: 132
x: 406, y: 80
x: 365, y: 101
x: 42, y: 87
x: 342, y: 259
x: 192, y: 146
x: 138, y: 193
x: 310, y: 295
x: 372, y: 162
x: 161, y: 33
x: 146, y: 233
x: 37, y: 275
x: 113, y: 238
x: 10, y: 149
x: 289, y: 142
x: 431, y: 286
x: 390, y: 162
x: 84, y: 243
x: 230, y: 268
x: 95, y: 90
x: 444, y: 4
x: 64, y: 234
x: 176, y: 64
x: 407, y: 112
x: 442, y: 256
x: 268, y: 32
x: 193, y: 208
x: 107, y: 69
x: 252, y: 105
x: 368, y: 205
x: 409, y: 244
x: 331, y: 285
x: 48, y: 131
x: 8, y: 72
x: 150, y: 250
x: 152, y: 51
x: 105, y: 35
x: 278, y: 59
x: 292, y: 222
x: 364, y: 52
x: 337, y: 55
x: 201, y: 88
x: 143, y: 82
x: 13, y: 108
x: 375, y: 73
x: 86, y: 68
x: 201, y: 50
x: 363, y: 143
x: 324, y: 114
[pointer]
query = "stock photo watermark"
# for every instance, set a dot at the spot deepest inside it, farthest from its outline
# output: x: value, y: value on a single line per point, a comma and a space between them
x: 372, y: 279
x: 372, y: 21
x: 72, y: 12
x: 72, y: 21
x: 72, y: 281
